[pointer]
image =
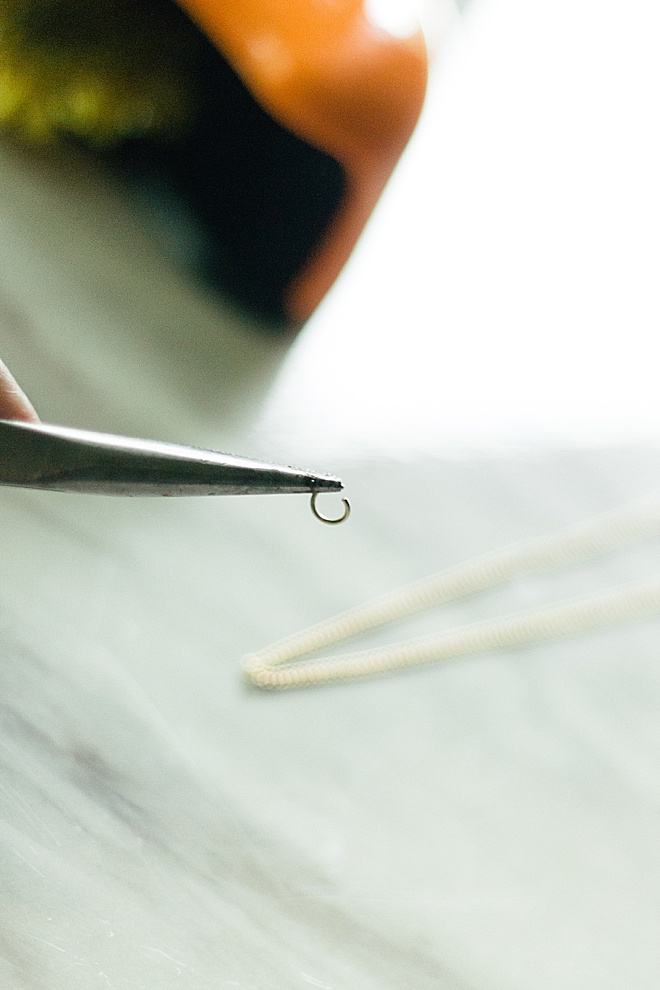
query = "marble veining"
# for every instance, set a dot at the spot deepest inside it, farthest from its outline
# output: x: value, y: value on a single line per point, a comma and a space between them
x: 489, y: 824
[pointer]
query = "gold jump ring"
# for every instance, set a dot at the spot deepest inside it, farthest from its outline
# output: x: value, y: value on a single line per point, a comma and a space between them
x: 330, y: 522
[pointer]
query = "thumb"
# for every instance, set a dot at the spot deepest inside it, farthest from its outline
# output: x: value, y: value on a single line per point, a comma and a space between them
x: 14, y: 404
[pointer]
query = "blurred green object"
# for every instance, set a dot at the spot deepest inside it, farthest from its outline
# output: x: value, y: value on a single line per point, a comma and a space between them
x: 137, y: 81
x: 98, y: 72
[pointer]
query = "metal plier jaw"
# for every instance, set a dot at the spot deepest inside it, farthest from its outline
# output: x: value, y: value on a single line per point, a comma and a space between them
x: 63, y: 459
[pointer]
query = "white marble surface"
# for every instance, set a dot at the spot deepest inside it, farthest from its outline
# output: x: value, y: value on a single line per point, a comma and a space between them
x: 489, y: 824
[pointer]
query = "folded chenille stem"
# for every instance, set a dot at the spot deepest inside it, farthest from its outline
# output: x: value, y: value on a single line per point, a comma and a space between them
x: 289, y: 662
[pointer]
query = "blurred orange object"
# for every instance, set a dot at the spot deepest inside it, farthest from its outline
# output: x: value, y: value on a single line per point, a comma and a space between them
x: 327, y: 73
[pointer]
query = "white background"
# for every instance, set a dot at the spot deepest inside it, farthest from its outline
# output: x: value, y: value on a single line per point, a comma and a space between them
x: 507, y: 287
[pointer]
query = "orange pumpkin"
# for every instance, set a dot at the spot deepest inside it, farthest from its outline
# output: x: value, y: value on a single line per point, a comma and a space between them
x: 332, y: 77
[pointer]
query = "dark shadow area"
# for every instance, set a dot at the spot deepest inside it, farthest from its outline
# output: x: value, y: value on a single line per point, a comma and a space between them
x: 244, y: 200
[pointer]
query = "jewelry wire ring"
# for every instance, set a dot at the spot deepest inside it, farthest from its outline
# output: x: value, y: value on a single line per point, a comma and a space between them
x: 324, y: 519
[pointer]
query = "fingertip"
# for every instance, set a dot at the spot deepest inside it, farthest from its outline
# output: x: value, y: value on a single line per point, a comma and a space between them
x: 14, y: 403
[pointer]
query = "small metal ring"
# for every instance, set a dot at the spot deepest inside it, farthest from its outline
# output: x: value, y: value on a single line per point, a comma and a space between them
x: 324, y: 519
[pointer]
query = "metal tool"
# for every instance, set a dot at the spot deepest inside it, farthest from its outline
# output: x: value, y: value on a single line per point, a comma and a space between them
x: 59, y: 458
